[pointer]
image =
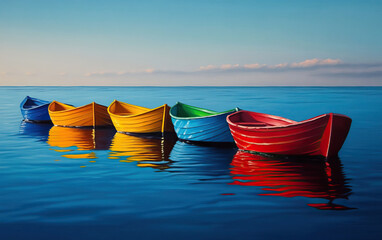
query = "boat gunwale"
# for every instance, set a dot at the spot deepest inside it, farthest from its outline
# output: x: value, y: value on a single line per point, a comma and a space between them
x: 33, y: 107
x: 73, y: 108
x: 133, y: 115
x: 276, y: 117
x: 231, y: 111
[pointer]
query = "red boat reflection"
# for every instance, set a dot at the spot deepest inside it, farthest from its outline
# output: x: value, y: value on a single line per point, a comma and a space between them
x: 292, y: 178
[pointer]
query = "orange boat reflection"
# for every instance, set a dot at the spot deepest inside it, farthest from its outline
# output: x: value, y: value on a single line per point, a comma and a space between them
x: 292, y: 178
x: 148, y: 152
x: 83, y: 139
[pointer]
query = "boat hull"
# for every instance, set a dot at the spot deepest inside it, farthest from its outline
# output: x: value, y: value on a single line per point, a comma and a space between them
x: 323, y: 135
x: 36, y: 110
x: 141, y: 120
x: 212, y: 128
x: 90, y: 115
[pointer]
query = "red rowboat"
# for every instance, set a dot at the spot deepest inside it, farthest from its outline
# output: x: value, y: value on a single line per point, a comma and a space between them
x: 257, y: 132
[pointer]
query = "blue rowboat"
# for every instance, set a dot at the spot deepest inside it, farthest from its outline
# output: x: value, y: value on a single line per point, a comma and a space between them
x: 200, y: 125
x: 35, y: 110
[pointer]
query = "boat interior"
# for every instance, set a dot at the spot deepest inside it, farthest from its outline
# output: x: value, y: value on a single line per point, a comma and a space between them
x: 31, y: 103
x: 121, y: 108
x: 252, y: 119
x: 190, y: 111
x: 55, y: 106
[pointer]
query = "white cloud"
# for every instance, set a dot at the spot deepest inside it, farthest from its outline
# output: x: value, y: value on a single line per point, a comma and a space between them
x: 309, y: 63
x: 329, y: 61
x: 221, y: 67
x: 208, y: 67
x: 119, y: 73
x: 310, y: 72
x: 316, y: 62
x: 250, y: 67
x: 310, y: 68
x: 280, y: 65
x: 254, y: 66
x: 229, y: 66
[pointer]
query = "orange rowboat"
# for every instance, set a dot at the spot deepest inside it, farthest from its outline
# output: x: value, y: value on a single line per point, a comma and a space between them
x: 90, y: 115
x: 128, y: 118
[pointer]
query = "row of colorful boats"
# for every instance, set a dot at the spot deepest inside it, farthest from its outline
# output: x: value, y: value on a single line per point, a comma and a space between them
x: 277, y: 177
x: 323, y: 135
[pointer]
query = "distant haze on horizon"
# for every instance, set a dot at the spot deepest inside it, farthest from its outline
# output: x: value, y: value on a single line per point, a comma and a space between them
x: 190, y: 43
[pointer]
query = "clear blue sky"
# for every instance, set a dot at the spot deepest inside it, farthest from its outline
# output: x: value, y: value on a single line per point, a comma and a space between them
x: 190, y: 42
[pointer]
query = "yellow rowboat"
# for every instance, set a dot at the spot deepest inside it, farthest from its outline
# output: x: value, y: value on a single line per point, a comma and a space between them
x: 90, y: 115
x: 135, y: 119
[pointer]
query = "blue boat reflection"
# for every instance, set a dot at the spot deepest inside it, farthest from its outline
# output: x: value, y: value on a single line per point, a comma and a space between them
x: 203, y: 161
x: 293, y: 178
x: 40, y: 131
x: 146, y: 151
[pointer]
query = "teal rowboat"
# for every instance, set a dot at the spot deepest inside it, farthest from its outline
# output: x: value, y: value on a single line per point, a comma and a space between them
x: 199, y: 124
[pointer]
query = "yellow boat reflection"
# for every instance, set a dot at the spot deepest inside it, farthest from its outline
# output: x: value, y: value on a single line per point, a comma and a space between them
x: 292, y: 178
x: 64, y: 137
x: 148, y: 152
x: 91, y: 155
x: 82, y: 139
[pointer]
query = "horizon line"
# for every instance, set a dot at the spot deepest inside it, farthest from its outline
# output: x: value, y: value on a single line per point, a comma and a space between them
x: 190, y: 86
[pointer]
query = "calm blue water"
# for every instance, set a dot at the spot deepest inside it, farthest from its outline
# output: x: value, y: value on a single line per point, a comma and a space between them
x: 60, y: 183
